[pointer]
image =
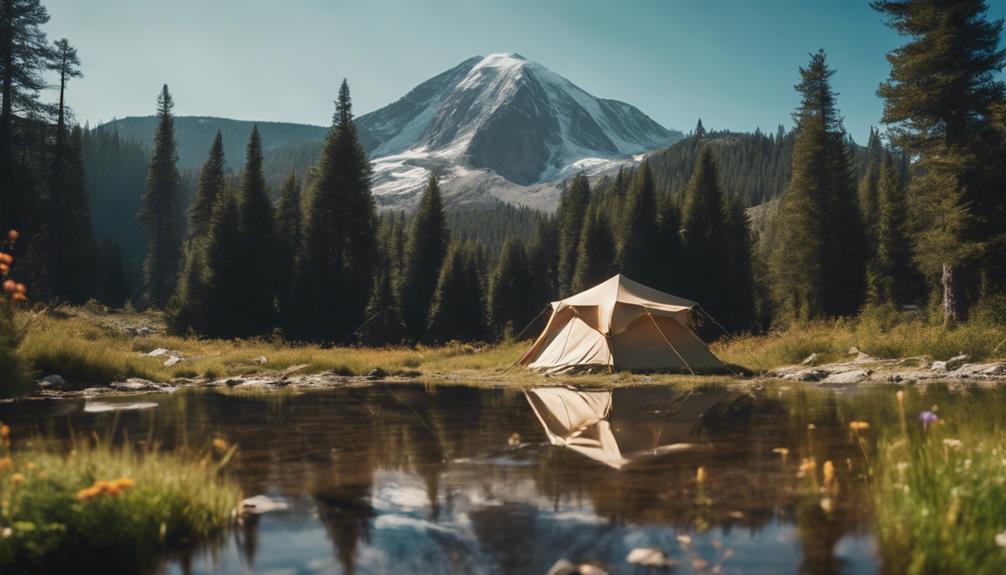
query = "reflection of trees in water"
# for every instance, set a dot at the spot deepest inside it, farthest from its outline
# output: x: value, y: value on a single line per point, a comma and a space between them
x: 329, y: 446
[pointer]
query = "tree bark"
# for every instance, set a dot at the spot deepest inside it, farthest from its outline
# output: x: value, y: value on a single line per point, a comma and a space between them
x: 951, y: 299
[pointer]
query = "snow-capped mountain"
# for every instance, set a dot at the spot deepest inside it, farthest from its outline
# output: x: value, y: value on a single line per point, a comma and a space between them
x: 500, y: 127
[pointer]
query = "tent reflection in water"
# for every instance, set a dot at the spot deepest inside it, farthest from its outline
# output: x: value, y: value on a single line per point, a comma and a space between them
x: 582, y: 422
x: 620, y: 325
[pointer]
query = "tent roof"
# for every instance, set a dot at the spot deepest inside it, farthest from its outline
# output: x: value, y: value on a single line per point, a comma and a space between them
x: 620, y: 289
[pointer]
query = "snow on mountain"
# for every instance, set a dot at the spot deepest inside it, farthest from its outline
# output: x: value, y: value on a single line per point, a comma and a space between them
x: 500, y: 127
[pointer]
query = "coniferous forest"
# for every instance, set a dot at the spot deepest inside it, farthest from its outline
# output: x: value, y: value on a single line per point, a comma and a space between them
x: 762, y: 229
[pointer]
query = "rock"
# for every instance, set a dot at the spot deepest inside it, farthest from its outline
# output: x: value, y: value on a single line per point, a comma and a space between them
x: 951, y: 364
x: 649, y: 557
x: 261, y: 360
x: 846, y: 377
x: 172, y: 361
x: 860, y: 356
x: 158, y: 352
x: 377, y: 373
x: 566, y: 567
x: 134, y: 384
x: 810, y: 359
x: 53, y: 382
x: 806, y: 375
x: 264, y: 504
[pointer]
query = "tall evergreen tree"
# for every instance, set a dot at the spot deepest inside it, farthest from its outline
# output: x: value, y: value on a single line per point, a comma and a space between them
x: 637, y: 257
x: 668, y: 242
x: 543, y: 257
x: 892, y: 275
x: 160, y: 208
x: 112, y: 288
x: 938, y: 101
x: 288, y: 240
x: 339, y: 233
x: 458, y: 311
x: 223, y: 266
x: 706, y: 237
x: 209, y: 186
x: 188, y: 309
x: 425, y: 251
x: 596, y: 254
x: 739, y: 286
x: 256, y: 295
x: 869, y: 195
x: 510, y: 308
x: 24, y: 55
x: 572, y: 206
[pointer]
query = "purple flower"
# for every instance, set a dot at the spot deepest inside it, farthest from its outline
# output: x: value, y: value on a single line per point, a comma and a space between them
x: 928, y: 418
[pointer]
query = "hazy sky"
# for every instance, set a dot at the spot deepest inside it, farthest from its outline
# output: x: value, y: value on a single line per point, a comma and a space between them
x: 731, y: 62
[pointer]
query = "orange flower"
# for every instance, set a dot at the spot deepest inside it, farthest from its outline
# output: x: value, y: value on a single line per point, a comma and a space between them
x: 6, y: 463
x: 700, y: 475
x: 859, y: 425
x: 19, y: 297
x: 13, y: 235
x: 87, y: 493
x: 220, y: 444
x: 123, y: 483
x: 20, y: 288
x: 4, y: 430
x: 829, y: 474
x: 4, y: 268
x: 9, y: 286
x: 17, y: 479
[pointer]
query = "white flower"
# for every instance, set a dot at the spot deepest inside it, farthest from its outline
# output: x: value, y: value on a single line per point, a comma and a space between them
x: 1001, y: 539
x: 952, y: 442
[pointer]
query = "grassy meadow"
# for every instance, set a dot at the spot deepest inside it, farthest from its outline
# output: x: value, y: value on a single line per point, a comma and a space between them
x: 93, y: 347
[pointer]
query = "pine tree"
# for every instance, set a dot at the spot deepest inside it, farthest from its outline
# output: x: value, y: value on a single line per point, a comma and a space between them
x: 336, y: 268
x: 224, y: 272
x: 572, y: 206
x: 384, y: 324
x: 112, y: 290
x: 596, y: 253
x: 210, y: 185
x: 637, y: 257
x: 739, y: 286
x: 425, y: 251
x: 187, y: 310
x: 846, y: 252
x: 797, y: 261
x: 869, y: 188
x: 510, y: 308
x: 256, y: 295
x: 668, y: 242
x: 938, y: 100
x: 24, y: 54
x: 892, y: 276
x: 458, y: 310
x: 700, y: 130
x: 160, y: 209
x: 288, y: 240
x: 543, y: 256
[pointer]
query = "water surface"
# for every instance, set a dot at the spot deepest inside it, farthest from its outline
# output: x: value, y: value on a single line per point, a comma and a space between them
x: 413, y: 479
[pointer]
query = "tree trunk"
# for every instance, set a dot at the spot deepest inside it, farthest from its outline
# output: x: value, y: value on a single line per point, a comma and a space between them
x: 951, y: 299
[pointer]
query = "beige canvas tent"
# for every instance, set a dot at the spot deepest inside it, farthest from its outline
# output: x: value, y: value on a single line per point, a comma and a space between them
x: 620, y: 324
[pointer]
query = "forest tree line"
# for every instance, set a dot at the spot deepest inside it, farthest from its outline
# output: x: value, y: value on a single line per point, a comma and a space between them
x: 914, y: 221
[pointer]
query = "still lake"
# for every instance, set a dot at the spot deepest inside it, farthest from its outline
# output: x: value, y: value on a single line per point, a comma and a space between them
x: 403, y: 478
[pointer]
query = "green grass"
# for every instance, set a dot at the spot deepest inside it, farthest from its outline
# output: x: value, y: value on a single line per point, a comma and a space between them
x: 939, y: 507
x: 86, y: 348
x: 47, y: 525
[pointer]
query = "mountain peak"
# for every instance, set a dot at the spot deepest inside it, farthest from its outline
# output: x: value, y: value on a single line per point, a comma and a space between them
x: 506, y: 117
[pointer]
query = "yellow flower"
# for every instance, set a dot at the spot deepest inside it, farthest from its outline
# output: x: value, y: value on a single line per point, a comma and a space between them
x: 29, y: 466
x: 859, y: 425
x: 220, y: 444
x: 87, y: 493
x: 829, y: 474
x: 900, y: 396
x: 781, y: 451
x: 6, y: 463
x: 17, y: 479
x: 4, y: 431
x: 807, y: 467
x: 700, y: 475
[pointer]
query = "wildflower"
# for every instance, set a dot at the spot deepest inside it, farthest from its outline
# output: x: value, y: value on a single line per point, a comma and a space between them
x: 700, y: 475
x: 20, y: 287
x: 807, y: 467
x: 928, y: 418
x: 17, y: 479
x: 6, y: 258
x: 859, y: 425
x: 9, y: 286
x: 811, y: 426
x: 827, y: 504
x: 29, y: 466
x: 781, y: 451
x: 13, y: 235
x: 19, y: 297
x: 902, y: 466
x: 220, y: 444
x: 87, y: 493
x: 1001, y: 539
x: 900, y: 396
x: 829, y: 474
x: 7, y: 532
x: 6, y: 463
x: 4, y: 431
x: 124, y: 483
x: 952, y: 442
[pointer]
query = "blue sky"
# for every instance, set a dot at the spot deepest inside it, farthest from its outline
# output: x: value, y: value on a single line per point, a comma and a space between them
x: 731, y: 62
